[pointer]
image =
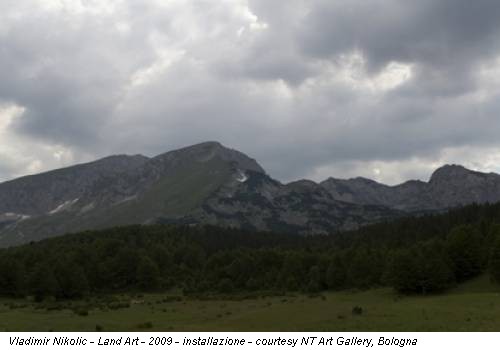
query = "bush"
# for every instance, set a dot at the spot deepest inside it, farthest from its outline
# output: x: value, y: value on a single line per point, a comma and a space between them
x: 119, y: 305
x: 145, y: 325
x: 172, y: 298
x: 225, y: 286
x: 357, y: 310
x: 81, y: 312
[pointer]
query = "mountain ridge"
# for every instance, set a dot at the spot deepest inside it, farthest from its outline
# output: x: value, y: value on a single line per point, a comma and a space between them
x: 208, y: 183
x: 449, y: 186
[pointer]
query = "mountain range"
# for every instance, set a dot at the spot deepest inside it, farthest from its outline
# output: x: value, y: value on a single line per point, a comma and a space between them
x: 210, y: 184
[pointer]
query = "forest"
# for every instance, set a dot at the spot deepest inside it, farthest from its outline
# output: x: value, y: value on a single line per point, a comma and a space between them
x: 414, y: 255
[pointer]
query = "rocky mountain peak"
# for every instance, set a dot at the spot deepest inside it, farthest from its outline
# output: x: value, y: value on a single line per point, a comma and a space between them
x: 364, y: 180
x: 206, y: 151
x: 448, y: 173
x: 303, y: 185
x: 209, y: 183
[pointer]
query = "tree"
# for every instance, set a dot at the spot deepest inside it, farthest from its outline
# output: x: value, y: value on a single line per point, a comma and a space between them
x: 421, y: 269
x: 494, y: 262
x: 365, y: 268
x: 315, y: 281
x: 148, y: 274
x: 72, y: 280
x: 291, y: 272
x: 405, y: 272
x: 464, y: 250
x: 163, y: 258
x: 12, y: 277
x: 225, y: 285
x: 43, y: 283
x: 122, y: 268
x: 434, y: 267
x: 240, y: 269
x: 336, y: 274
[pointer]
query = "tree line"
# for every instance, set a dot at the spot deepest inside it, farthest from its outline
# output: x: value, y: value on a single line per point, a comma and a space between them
x: 415, y: 255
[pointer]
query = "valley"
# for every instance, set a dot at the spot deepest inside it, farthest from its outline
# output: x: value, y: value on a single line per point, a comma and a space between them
x: 249, y: 165
x: 437, y: 272
x: 203, y: 239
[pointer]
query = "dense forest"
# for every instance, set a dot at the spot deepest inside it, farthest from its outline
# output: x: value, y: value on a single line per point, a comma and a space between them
x: 426, y: 254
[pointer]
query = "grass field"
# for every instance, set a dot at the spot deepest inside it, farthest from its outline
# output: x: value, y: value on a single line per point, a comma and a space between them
x: 474, y: 306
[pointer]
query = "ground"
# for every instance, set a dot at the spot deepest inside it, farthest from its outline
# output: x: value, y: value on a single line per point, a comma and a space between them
x: 474, y: 306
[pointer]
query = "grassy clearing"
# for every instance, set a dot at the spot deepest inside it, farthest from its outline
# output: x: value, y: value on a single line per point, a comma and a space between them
x: 474, y: 306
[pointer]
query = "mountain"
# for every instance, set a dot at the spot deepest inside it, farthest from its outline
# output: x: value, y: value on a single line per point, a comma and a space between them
x: 209, y: 183
x: 204, y: 183
x: 449, y: 186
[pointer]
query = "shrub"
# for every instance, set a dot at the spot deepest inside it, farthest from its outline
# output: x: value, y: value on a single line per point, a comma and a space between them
x: 81, y: 312
x: 357, y: 310
x: 145, y: 325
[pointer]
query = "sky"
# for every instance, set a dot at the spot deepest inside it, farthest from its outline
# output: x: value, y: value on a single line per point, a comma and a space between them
x: 385, y: 89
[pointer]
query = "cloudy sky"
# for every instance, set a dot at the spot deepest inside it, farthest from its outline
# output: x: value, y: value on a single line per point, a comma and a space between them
x: 387, y: 89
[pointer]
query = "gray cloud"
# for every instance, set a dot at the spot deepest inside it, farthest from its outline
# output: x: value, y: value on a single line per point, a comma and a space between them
x: 382, y: 88
x: 446, y: 39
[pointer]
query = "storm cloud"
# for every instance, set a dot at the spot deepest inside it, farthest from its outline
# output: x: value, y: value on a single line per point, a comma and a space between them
x: 387, y: 89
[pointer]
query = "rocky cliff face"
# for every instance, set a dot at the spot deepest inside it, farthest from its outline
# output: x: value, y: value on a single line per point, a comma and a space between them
x: 52, y: 191
x: 209, y: 183
x: 300, y: 207
x: 449, y: 186
x: 117, y: 190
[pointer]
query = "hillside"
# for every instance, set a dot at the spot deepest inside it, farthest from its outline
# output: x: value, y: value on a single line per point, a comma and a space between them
x: 212, y: 184
x: 206, y: 183
x: 449, y: 186
x: 413, y: 255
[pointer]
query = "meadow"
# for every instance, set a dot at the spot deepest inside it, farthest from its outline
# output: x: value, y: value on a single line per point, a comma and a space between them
x: 473, y: 306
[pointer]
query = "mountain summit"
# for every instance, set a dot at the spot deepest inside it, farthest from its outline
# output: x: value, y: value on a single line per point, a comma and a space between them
x: 213, y: 184
x: 449, y: 186
x: 450, y: 172
x: 205, y: 152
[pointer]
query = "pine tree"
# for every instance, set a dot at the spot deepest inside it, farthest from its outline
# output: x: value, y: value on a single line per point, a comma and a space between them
x: 465, y: 252
x: 148, y: 274
x: 43, y: 283
x: 72, y: 280
x: 494, y: 261
x: 405, y: 272
x: 335, y: 274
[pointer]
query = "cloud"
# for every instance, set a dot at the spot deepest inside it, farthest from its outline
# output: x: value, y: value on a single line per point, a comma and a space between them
x: 387, y: 89
x: 445, y: 39
x: 20, y: 155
